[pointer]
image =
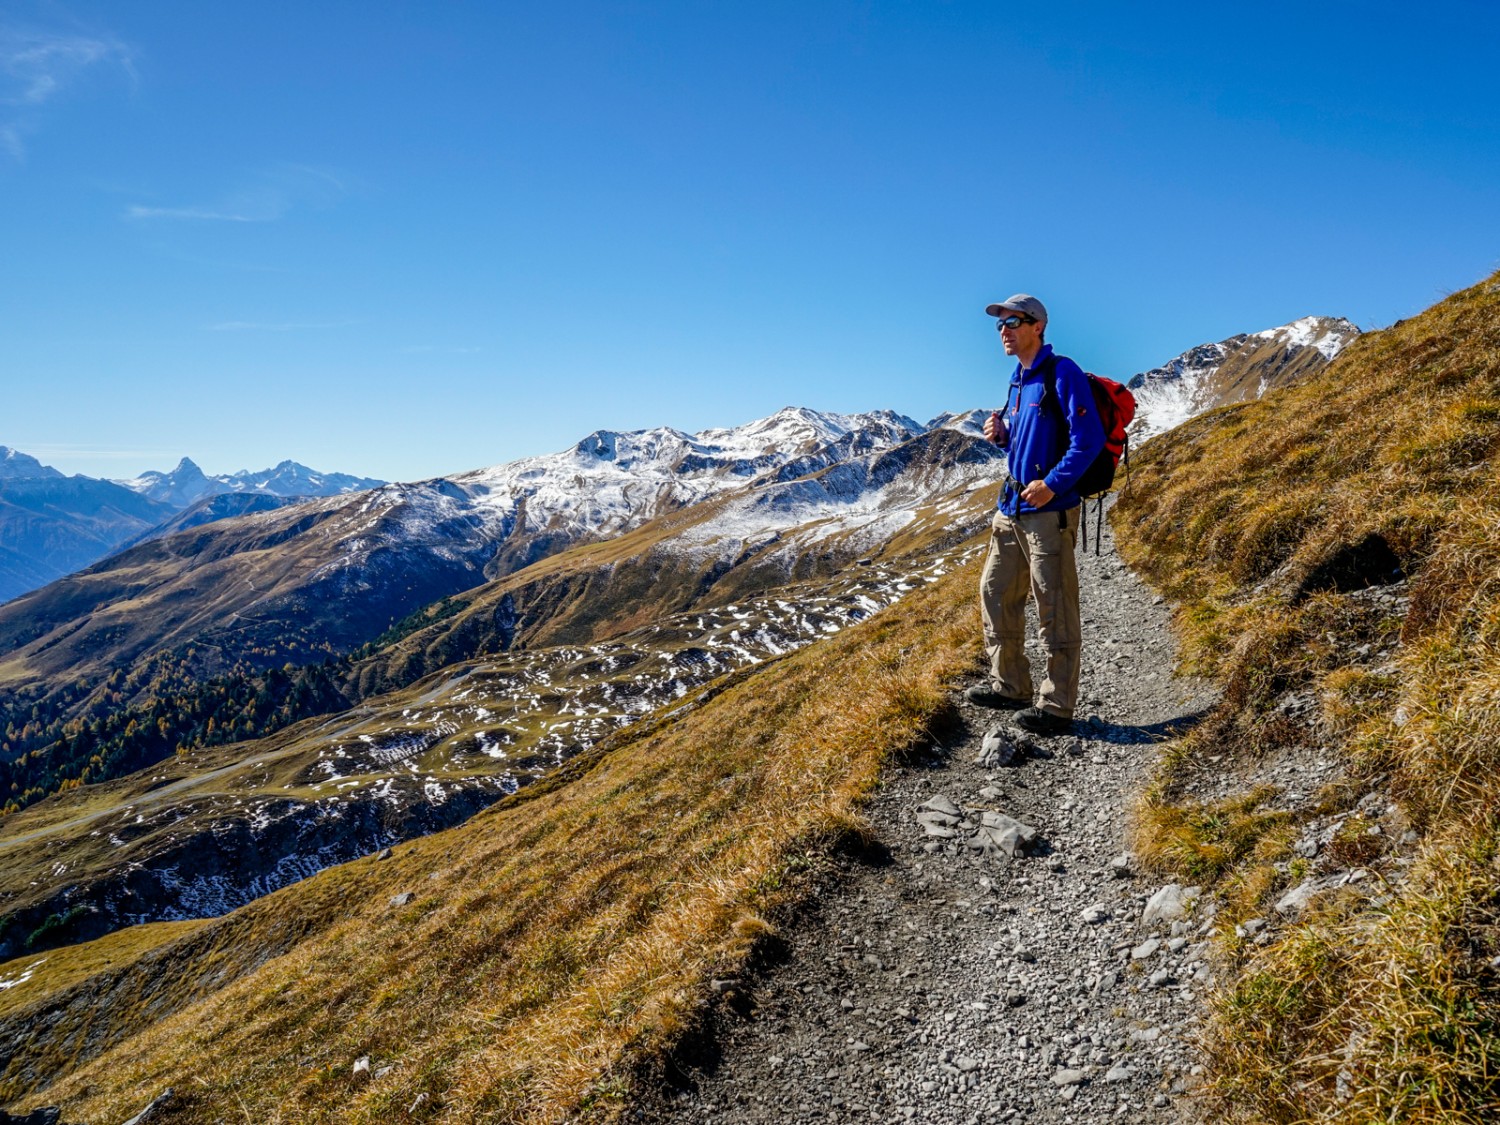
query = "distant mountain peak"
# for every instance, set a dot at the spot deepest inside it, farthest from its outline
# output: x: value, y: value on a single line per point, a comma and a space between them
x: 187, y: 484
x: 1329, y: 334
x: 1237, y: 369
x: 15, y: 465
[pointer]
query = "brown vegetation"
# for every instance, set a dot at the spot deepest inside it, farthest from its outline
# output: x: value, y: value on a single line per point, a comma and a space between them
x: 556, y: 943
x: 1266, y: 520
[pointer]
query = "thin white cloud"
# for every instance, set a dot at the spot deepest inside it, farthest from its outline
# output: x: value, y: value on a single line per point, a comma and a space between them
x: 37, y: 66
x: 270, y: 196
x: 207, y: 214
x: 262, y: 326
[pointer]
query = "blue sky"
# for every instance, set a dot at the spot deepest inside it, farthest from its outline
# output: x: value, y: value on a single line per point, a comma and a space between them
x: 403, y: 240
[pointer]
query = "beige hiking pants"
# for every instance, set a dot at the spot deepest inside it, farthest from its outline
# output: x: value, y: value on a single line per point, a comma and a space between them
x: 1032, y: 552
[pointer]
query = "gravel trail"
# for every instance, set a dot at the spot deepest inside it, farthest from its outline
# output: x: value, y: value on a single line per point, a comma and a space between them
x: 948, y: 980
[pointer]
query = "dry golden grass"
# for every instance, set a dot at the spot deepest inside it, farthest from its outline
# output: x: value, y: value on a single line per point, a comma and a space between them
x: 1261, y: 519
x: 59, y: 969
x: 557, y: 943
x: 1358, y: 1016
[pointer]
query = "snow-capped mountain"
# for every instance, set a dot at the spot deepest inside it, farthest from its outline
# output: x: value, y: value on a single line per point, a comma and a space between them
x: 187, y: 483
x: 1238, y: 369
x: 338, y: 570
x: 52, y: 524
x: 15, y: 465
x: 181, y: 487
x: 612, y: 481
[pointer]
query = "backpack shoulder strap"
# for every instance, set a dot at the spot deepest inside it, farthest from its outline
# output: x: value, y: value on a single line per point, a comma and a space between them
x: 1049, y: 386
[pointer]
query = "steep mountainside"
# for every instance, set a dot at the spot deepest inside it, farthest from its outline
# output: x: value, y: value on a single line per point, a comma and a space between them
x: 15, y: 465
x: 742, y: 544
x: 218, y: 506
x: 330, y: 574
x: 203, y: 833
x: 1238, y: 369
x: 105, y: 663
x: 573, y: 926
x: 51, y: 524
x: 1337, y: 548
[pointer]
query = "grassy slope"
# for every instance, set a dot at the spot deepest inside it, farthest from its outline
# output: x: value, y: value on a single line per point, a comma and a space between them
x: 555, y: 942
x: 282, y: 765
x: 1261, y: 518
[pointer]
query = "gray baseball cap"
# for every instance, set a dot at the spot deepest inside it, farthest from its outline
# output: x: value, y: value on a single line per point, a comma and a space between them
x: 1023, y: 303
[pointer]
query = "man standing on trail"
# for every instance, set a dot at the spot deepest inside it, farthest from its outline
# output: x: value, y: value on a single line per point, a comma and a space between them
x: 1052, y: 432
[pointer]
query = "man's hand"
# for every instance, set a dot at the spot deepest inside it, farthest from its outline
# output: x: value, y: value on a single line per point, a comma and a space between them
x: 995, y: 429
x: 1037, y: 494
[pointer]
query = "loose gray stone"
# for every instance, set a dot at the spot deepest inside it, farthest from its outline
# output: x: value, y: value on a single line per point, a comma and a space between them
x: 937, y: 824
x: 1003, y: 835
x: 1070, y: 1077
x: 1120, y: 1073
x: 405, y: 898
x: 996, y: 750
x: 1297, y: 899
x: 943, y: 805
x: 361, y: 1067
x: 1170, y: 903
x: 1096, y: 914
x: 1145, y: 949
x: 153, y: 1111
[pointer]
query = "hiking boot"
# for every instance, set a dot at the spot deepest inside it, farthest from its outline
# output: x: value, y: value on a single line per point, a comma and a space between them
x: 986, y: 696
x: 1038, y: 721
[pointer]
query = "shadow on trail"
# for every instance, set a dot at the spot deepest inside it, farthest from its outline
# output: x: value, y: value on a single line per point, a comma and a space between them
x: 1125, y: 734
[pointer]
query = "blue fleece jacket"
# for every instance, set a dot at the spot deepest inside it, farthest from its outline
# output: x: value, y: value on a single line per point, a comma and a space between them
x: 1047, y: 443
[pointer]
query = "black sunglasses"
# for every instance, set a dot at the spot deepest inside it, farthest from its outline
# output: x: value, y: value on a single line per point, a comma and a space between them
x: 1013, y: 322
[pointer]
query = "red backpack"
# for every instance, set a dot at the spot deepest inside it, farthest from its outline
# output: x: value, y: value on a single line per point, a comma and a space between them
x: 1116, y: 406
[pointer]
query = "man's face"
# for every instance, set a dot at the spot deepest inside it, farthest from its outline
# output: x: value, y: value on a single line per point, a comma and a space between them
x: 1022, y: 338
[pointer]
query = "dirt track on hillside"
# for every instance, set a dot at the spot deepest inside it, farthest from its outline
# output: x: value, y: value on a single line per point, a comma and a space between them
x: 930, y: 982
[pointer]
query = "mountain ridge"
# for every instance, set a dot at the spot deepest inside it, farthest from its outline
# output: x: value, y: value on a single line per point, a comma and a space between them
x: 1238, y: 369
x: 187, y: 483
x: 53, y: 525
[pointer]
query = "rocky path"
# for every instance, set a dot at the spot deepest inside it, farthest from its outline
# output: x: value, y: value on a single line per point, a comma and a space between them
x: 979, y: 969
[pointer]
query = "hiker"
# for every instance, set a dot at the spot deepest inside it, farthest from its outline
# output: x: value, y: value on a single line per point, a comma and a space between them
x: 1052, y: 431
